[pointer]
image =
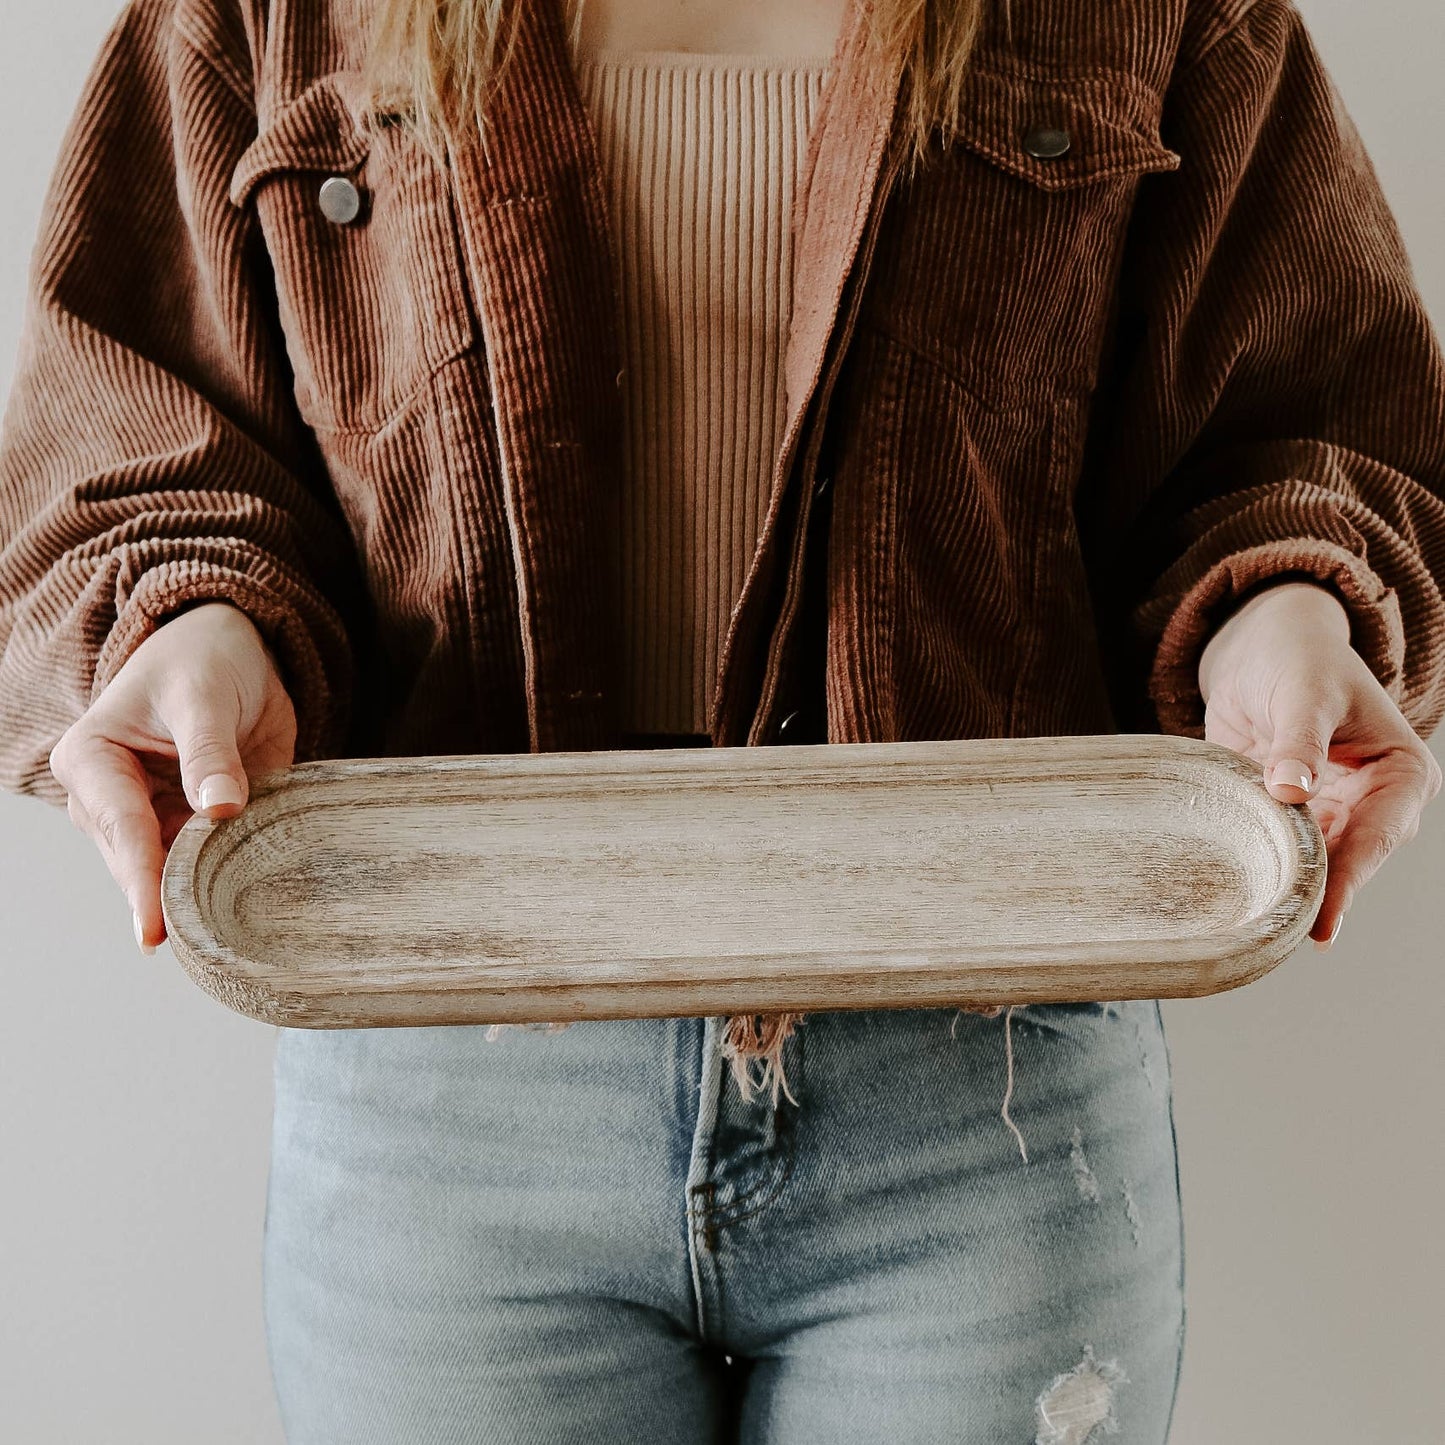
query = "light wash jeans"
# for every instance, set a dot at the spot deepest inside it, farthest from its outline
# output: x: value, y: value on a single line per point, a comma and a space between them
x: 587, y: 1236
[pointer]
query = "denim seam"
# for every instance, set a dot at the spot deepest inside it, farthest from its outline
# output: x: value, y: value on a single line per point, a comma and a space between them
x: 700, y: 1162
x: 728, y: 1214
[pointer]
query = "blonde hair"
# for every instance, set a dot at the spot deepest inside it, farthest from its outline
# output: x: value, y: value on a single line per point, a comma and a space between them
x: 434, y: 63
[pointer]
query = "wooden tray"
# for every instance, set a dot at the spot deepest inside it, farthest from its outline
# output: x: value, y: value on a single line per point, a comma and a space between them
x: 682, y: 882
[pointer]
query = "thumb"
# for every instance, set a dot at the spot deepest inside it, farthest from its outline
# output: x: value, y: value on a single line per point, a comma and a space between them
x: 212, y: 774
x: 1298, y: 749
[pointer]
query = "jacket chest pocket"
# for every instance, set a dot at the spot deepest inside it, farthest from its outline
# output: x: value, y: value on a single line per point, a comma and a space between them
x: 997, y: 260
x: 360, y: 225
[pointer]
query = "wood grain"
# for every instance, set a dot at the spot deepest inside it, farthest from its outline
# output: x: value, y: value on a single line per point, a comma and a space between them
x: 680, y: 882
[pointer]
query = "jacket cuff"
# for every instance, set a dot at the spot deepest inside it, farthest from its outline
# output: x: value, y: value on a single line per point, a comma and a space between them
x: 312, y: 653
x: 1376, y: 629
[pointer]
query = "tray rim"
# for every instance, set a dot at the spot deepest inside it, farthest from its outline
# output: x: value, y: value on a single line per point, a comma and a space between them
x: 1219, y: 962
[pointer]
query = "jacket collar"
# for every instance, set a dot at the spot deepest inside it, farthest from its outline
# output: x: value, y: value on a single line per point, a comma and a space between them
x: 838, y: 191
x: 534, y: 224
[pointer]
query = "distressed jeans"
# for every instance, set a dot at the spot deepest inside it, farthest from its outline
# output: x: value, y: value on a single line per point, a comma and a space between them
x: 588, y: 1235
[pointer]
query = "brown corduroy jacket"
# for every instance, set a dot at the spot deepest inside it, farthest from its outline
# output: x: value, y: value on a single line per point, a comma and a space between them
x: 1049, y: 415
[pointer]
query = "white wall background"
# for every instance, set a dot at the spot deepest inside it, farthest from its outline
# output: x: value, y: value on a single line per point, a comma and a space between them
x: 136, y: 1112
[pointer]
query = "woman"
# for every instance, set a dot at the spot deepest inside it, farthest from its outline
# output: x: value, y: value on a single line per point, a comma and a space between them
x: 453, y: 380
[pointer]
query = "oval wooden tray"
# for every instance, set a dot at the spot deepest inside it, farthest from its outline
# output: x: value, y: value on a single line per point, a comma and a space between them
x: 680, y: 882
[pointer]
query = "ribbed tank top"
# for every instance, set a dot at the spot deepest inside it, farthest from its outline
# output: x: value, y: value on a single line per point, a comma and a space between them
x: 701, y: 154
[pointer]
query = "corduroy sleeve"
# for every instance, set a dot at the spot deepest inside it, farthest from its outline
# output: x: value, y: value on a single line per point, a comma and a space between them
x: 151, y: 456
x: 1282, y: 403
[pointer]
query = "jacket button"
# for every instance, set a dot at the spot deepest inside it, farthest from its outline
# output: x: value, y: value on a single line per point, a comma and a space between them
x: 1046, y: 141
x: 340, y: 200
x: 821, y: 486
x: 801, y: 726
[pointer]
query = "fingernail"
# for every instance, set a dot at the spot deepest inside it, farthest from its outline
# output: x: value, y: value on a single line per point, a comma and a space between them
x: 1322, y: 945
x: 141, y: 943
x: 219, y: 789
x: 1293, y: 772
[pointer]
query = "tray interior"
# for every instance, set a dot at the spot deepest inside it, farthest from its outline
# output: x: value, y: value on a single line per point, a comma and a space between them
x: 546, y: 873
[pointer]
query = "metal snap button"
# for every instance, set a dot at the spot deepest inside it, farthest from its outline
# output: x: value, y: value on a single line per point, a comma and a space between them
x: 802, y: 725
x: 789, y: 722
x: 340, y: 200
x: 1046, y: 141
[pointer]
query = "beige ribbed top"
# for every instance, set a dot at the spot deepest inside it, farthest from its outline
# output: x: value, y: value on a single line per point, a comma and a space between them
x: 701, y: 155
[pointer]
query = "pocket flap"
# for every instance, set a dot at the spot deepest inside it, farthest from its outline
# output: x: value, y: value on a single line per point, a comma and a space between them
x: 318, y: 130
x: 1111, y: 119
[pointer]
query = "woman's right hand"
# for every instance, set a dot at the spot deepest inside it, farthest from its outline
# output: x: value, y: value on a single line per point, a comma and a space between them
x: 194, y: 710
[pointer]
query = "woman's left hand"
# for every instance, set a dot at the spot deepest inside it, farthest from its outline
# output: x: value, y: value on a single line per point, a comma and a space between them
x: 1282, y: 685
